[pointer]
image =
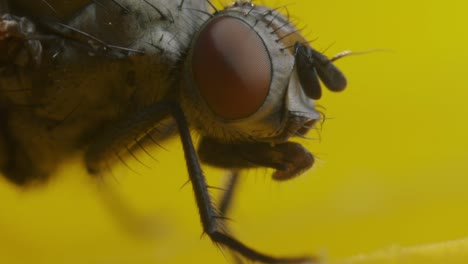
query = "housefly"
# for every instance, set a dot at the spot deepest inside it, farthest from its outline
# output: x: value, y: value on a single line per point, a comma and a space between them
x: 104, y: 76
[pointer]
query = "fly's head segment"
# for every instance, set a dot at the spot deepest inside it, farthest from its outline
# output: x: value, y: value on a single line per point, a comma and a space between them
x: 250, y: 76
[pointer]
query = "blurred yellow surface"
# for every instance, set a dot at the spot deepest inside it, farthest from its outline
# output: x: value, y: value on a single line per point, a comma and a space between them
x: 391, y: 171
x: 442, y: 252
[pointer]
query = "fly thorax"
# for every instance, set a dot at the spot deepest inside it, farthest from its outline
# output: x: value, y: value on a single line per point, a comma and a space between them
x: 239, y: 82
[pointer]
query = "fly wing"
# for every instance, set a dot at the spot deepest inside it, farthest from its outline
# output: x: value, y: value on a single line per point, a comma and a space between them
x: 61, y: 9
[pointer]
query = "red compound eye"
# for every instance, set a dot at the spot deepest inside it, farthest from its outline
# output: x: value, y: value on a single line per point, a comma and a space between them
x: 231, y: 68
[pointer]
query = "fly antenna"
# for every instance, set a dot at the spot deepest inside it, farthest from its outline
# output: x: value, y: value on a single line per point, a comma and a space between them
x: 347, y: 53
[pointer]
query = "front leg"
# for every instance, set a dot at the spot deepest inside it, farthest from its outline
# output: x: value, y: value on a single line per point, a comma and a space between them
x: 210, y: 218
x: 289, y: 159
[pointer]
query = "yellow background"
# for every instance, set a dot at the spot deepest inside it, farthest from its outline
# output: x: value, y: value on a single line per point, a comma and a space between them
x: 391, y: 171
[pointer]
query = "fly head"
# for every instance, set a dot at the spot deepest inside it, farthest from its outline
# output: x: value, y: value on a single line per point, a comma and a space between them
x: 248, y: 78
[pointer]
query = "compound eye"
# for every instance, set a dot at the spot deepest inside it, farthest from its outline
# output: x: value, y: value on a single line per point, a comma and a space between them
x: 232, y: 68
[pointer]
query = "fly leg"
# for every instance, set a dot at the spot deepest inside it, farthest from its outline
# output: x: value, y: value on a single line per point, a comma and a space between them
x: 17, y: 50
x: 226, y: 203
x: 210, y: 218
x: 289, y: 159
x: 131, y: 220
x: 229, y: 192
